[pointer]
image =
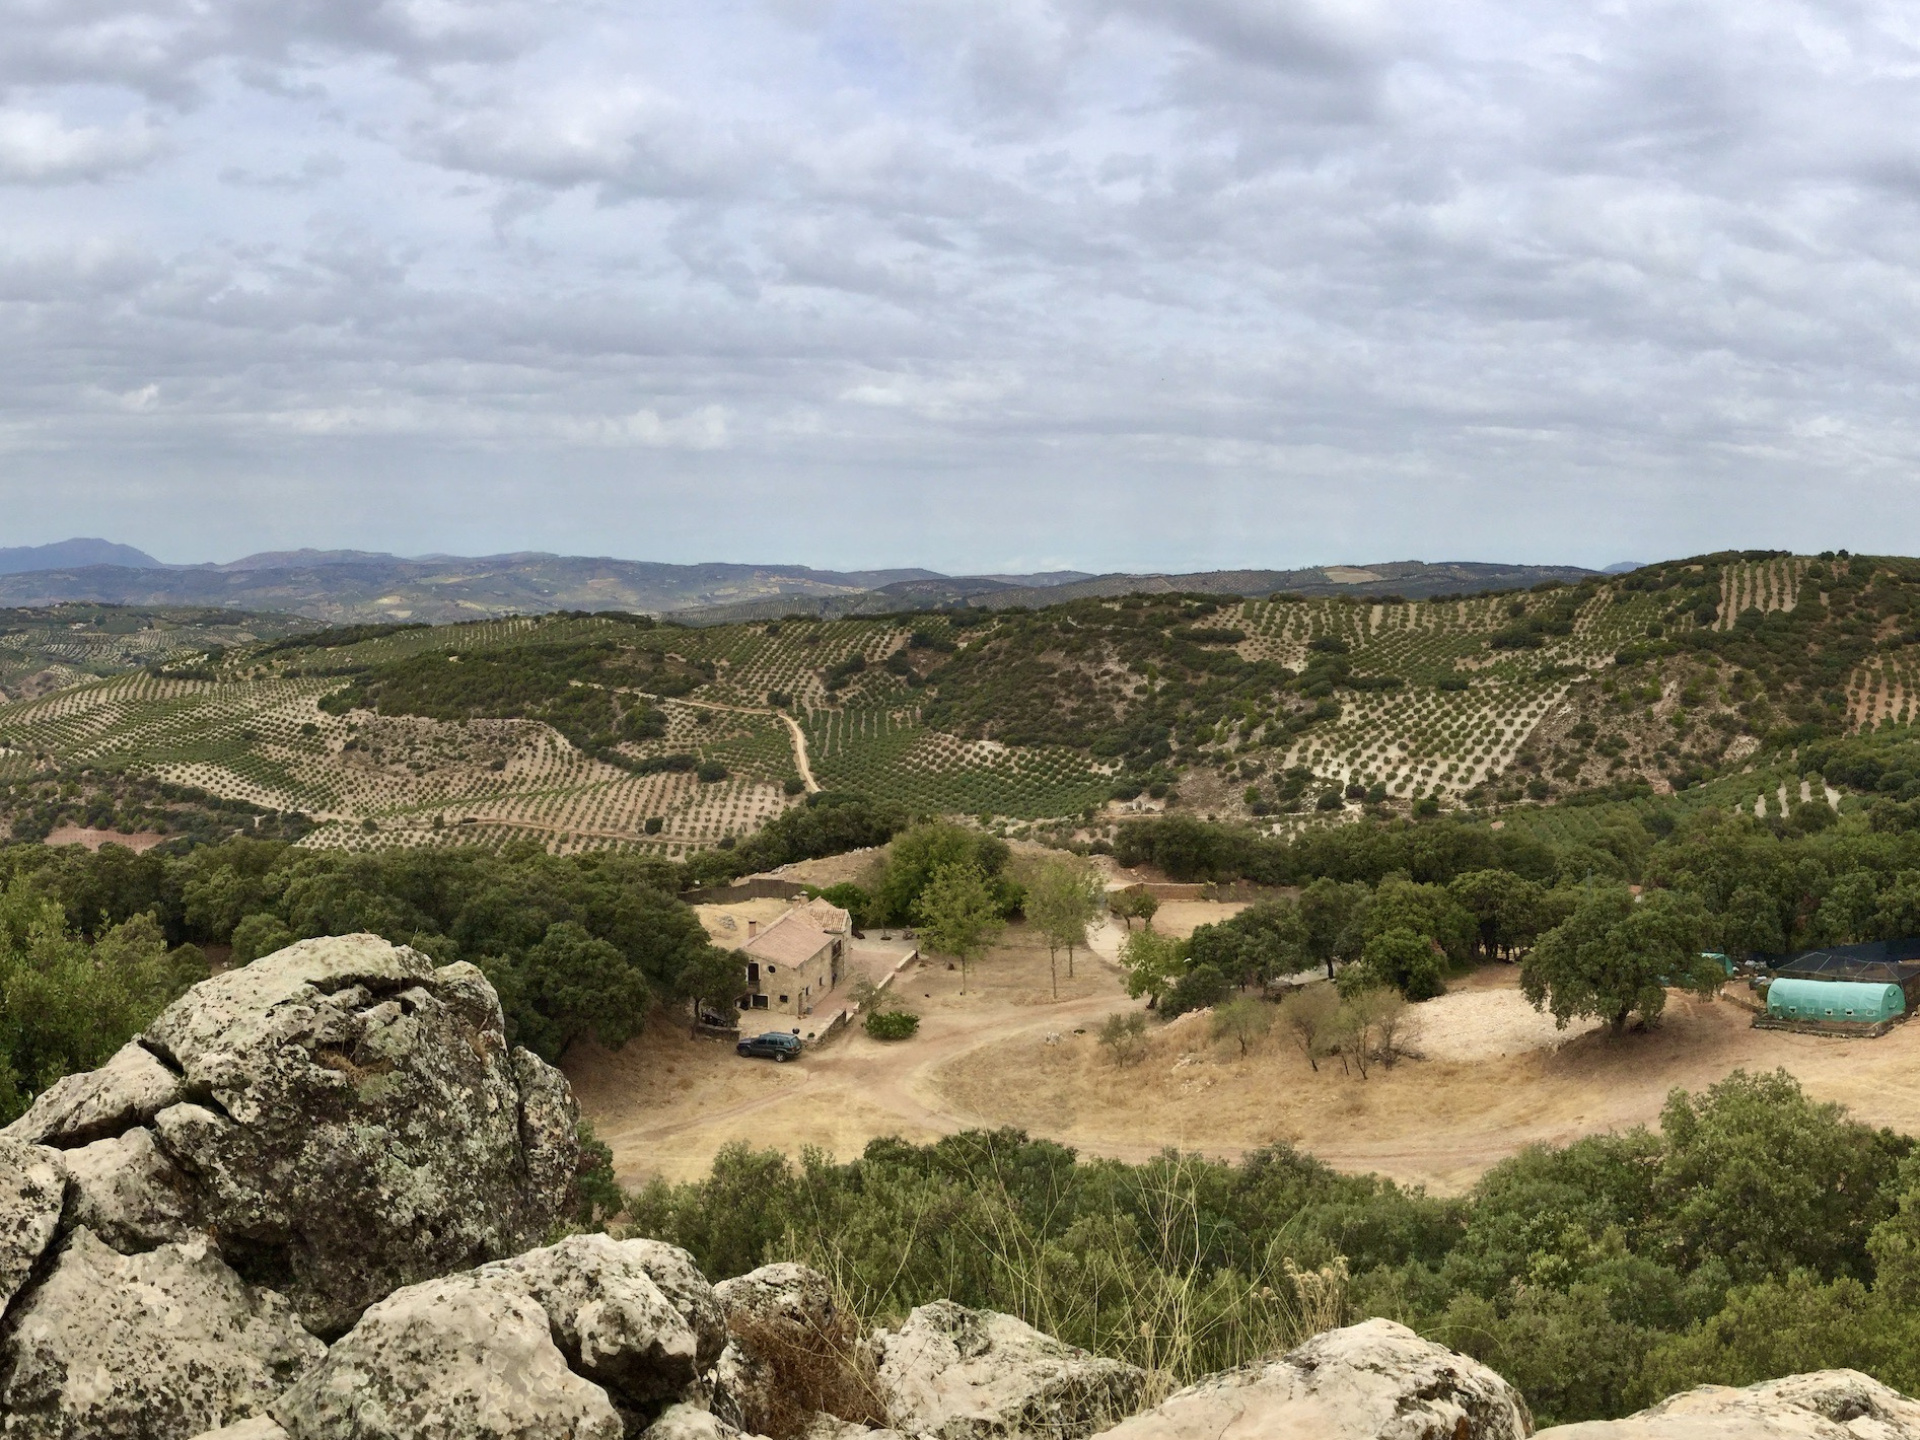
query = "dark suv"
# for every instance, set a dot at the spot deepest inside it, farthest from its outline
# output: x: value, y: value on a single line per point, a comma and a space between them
x: 774, y: 1044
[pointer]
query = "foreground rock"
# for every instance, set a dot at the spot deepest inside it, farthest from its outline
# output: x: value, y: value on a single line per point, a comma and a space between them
x: 126, y: 1347
x: 1823, y: 1405
x: 574, y: 1340
x: 1374, y: 1381
x: 345, y: 1117
x: 31, y: 1191
x: 470, y: 1357
x: 960, y: 1374
x: 612, y: 1321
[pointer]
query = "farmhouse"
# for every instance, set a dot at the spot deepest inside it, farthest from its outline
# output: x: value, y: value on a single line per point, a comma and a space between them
x: 796, y: 960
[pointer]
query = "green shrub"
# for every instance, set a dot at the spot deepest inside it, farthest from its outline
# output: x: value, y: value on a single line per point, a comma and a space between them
x: 891, y: 1024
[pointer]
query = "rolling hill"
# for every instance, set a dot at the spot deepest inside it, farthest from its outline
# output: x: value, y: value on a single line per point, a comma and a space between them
x: 1692, y: 679
x: 343, y: 587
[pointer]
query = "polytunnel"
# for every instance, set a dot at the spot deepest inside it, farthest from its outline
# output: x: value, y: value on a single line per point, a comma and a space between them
x: 1835, y: 1001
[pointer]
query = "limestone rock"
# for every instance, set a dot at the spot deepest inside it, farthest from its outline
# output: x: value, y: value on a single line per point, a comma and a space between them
x: 610, y: 1319
x: 130, y: 1089
x: 470, y: 1357
x: 346, y: 1128
x: 1823, y: 1405
x: 960, y: 1374
x: 31, y: 1191
x: 784, y: 1292
x: 549, y: 1122
x: 258, y: 1428
x: 157, y: 1346
x: 689, y: 1422
x: 1373, y: 1381
x: 128, y: 1192
x: 687, y: 1290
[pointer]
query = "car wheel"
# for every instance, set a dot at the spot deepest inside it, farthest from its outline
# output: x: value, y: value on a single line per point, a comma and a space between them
x: 780, y: 1056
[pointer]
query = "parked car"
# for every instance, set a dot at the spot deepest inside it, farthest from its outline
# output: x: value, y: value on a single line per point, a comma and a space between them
x: 775, y: 1045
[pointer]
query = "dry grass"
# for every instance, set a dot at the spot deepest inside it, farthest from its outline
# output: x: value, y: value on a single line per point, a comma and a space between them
x: 812, y: 1365
x: 1496, y: 1077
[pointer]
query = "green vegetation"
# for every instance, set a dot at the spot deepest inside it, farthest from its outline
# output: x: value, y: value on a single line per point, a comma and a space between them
x: 575, y: 947
x: 585, y: 691
x: 67, y: 1003
x: 891, y: 1024
x: 1758, y: 1234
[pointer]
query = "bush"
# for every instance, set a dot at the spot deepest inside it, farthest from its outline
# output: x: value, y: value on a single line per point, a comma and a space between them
x: 711, y: 772
x: 655, y: 824
x: 891, y: 1024
x: 1125, y: 1036
x: 1201, y: 987
x: 259, y: 935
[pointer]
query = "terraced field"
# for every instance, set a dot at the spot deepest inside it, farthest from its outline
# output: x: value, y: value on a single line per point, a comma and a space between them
x: 1283, y: 710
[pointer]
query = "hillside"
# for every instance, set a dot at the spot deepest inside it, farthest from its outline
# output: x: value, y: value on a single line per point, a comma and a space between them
x: 352, y: 586
x: 585, y: 731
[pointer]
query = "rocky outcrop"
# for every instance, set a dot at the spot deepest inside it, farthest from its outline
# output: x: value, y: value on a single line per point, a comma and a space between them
x: 611, y: 1320
x: 130, y: 1089
x: 125, y: 1347
x: 32, y: 1187
x: 128, y: 1192
x: 576, y: 1339
x: 470, y: 1357
x: 957, y: 1374
x: 1823, y: 1405
x: 1374, y: 1381
x: 285, y: 1145
x: 345, y: 1117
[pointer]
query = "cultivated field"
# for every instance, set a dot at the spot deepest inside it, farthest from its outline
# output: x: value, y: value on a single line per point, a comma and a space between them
x: 1491, y: 700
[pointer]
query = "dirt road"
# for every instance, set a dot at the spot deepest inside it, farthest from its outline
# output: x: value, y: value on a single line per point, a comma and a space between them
x: 1487, y: 1077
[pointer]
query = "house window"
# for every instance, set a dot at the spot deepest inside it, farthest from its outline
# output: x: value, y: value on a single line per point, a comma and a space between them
x: 783, y: 999
x: 759, y: 1002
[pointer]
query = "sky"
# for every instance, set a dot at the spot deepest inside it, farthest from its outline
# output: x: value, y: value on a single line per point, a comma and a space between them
x: 988, y: 286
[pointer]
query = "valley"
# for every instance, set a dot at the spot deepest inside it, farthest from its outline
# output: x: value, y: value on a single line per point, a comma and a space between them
x: 1057, y: 723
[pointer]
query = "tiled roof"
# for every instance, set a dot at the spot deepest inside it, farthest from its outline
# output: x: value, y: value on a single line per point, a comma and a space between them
x: 825, y: 915
x: 790, y: 940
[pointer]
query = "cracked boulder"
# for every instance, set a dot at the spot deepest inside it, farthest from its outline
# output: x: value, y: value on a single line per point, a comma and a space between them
x: 470, y: 1357
x: 1373, y: 1381
x: 345, y: 1117
x: 961, y: 1374
x: 614, y: 1323
x: 128, y: 1192
x: 32, y: 1189
x: 130, y: 1089
x: 1822, y: 1405
x: 144, y: 1347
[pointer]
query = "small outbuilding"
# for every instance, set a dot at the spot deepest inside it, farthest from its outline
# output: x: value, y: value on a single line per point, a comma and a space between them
x: 1834, y: 1002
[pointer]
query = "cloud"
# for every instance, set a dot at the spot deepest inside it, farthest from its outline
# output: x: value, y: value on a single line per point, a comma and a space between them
x: 36, y: 148
x: 1223, y: 281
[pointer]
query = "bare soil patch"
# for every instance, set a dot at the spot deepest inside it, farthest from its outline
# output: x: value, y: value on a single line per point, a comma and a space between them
x: 94, y: 839
x: 1496, y: 1077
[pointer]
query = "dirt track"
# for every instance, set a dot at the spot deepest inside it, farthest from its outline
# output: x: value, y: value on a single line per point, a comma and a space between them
x: 667, y: 1103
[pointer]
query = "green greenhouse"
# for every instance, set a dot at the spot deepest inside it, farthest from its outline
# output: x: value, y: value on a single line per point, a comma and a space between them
x: 1835, y: 1001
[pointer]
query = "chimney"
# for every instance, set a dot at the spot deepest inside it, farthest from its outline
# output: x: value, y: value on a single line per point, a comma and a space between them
x: 753, y: 928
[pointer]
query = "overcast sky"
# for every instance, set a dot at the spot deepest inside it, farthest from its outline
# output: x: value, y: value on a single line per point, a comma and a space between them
x: 990, y: 285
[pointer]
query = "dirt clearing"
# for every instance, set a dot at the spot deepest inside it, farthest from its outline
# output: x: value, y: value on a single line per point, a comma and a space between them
x: 1493, y: 1077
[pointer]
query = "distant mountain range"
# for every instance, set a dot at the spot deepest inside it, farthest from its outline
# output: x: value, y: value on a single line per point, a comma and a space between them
x: 63, y: 554
x: 354, y: 586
